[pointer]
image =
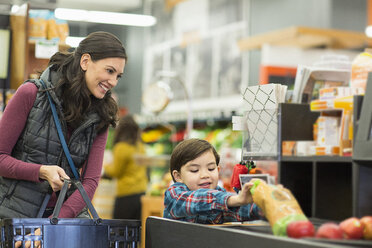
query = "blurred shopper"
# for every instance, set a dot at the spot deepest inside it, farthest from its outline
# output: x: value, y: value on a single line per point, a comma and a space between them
x: 131, y: 177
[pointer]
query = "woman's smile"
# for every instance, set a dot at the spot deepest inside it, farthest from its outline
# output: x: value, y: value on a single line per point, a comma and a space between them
x: 103, y: 87
x: 102, y: 75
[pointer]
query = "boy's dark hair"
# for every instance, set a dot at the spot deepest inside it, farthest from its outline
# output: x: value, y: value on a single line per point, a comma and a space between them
x: 189, y: 150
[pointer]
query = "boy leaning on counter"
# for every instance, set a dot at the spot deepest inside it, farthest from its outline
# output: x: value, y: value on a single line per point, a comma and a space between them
x: 196, y: 197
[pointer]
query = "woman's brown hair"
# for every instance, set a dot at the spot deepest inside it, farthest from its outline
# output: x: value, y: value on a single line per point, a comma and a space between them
x: 77, y: 101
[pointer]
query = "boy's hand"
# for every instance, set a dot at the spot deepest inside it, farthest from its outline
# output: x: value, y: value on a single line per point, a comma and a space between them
x: 245, y: 194
x: 244, y: 197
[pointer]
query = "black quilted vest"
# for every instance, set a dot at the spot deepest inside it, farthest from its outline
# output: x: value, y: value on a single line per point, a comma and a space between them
x: 39, y: 143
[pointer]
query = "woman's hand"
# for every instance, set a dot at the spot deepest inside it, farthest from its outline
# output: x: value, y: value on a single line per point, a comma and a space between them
x: 54, y: 175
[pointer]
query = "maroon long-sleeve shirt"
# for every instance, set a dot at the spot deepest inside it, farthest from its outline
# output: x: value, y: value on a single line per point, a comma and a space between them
x: 11, y: 126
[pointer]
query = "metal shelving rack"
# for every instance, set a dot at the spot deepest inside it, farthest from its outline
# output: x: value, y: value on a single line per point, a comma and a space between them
x: 327, y: 187
x: 362, y: 154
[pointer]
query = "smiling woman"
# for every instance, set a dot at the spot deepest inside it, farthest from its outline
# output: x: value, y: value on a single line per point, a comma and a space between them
x: 102, y: 75
x: 79, y: 83
x: 98, y: 61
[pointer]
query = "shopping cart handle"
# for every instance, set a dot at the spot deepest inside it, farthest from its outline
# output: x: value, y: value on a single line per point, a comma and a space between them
x: 83, y: 193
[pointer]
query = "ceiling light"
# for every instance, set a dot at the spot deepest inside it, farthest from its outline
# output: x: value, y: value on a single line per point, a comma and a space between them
x: 14, y: 9
x: 104, y: 17
x: 19, y: 10
x: 369, y: 31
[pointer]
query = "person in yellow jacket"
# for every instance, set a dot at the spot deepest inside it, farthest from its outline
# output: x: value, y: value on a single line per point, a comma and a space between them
x: 131, y: 178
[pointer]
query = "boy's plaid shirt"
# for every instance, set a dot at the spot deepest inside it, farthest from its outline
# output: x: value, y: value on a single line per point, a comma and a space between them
x: 205, y: 206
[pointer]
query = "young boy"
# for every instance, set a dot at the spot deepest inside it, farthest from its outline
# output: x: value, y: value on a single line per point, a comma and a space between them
x: 195, y: 195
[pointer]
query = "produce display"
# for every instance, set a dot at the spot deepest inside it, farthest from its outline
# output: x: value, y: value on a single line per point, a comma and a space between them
x: 300, y: 229
x: 367, y: 227
x: 330, y: 231
x: 286, y: 218
x: 352, y: 228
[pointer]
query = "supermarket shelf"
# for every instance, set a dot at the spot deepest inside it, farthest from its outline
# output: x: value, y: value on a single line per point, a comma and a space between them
x: 307, y: 37
x: 328, y: 159
x: 202, y: 109
x: 62, y: 46
x: 337, y: 104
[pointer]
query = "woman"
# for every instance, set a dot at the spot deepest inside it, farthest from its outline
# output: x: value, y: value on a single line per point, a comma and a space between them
x: 131, y: 177
x: 32, y: 162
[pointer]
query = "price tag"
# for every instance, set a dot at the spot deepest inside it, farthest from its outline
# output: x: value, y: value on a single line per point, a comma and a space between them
x: 44, y: 49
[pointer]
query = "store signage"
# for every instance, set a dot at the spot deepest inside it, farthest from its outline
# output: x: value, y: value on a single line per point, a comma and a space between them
x: 44, y: 49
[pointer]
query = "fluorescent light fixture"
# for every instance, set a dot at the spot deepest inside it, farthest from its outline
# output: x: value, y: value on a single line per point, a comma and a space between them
x: 369, y: 31
x: 73, y: 41
x: 19, y: 10
x: 104, y: 17
x: 14, y: 9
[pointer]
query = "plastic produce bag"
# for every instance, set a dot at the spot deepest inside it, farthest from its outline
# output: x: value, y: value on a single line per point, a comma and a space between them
x: 278, y: 204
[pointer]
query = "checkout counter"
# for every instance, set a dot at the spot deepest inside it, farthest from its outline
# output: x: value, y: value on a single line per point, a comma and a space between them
x: 161, y: 233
